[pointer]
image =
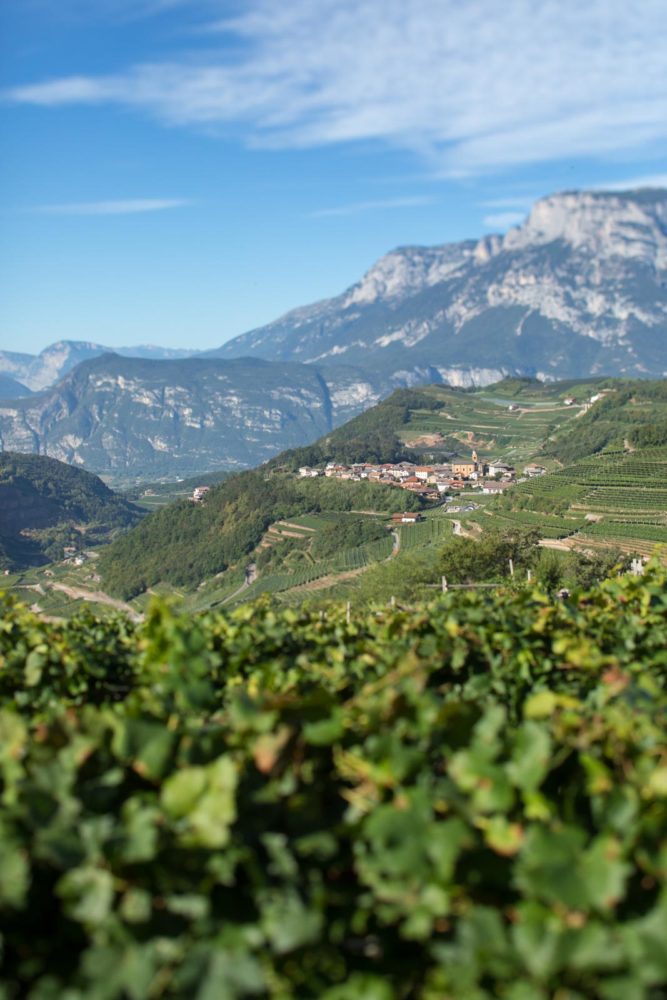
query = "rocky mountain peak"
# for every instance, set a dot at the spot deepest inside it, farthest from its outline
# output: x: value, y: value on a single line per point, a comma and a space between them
x: 407, y: 270
x: 632, y: 225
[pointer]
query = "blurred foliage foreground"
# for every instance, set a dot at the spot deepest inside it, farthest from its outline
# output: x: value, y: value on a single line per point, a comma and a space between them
x: 466, y: 800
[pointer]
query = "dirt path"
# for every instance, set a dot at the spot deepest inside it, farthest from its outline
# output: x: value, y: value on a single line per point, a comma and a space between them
x: 396, y: 535
x: 554, y: 543
x: 250, y: 577
x: 474, y: 531
x: 328, y: 581
x: 278, y: 533
x: 545, y: 409
x: 291, y: 524
x: 98, y: 596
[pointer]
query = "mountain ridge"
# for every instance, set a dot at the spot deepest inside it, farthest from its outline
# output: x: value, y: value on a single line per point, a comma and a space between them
x: 582, y: 281
x: 39, y: 371
x: 149, y: 418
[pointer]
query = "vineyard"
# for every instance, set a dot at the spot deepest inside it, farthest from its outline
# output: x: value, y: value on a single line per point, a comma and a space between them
x: 435, y: 530
x: 463, y: 801
x: 624, y: 495
x: 549, y: 526
x: 482, y: 420
x: 348, y: 559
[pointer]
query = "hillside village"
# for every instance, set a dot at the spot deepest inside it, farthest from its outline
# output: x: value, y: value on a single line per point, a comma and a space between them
x: 433, y: 482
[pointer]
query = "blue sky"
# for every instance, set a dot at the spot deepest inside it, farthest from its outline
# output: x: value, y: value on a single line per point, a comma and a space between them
x: 178, y: 171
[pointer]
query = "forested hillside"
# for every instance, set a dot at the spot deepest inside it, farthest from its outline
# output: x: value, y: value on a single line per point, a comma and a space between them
x: 630, y: 414
x: 466, y: 800
x: 46, y: 504
x: 373, y: 436
x: 185, y: 543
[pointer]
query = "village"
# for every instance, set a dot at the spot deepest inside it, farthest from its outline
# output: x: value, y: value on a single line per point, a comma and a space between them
x: 433, y: 482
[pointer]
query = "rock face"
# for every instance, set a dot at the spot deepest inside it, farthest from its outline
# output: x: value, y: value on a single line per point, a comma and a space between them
x: 152, y: 418
x: 42, y: 370
x: 580, y: 288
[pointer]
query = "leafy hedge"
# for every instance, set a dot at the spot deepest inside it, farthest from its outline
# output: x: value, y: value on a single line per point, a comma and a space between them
x: 459, y: 802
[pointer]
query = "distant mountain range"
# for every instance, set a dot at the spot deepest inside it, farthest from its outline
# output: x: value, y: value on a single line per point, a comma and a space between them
x: 579, y: 289
x: 146, y: 418
x: 39, y: 371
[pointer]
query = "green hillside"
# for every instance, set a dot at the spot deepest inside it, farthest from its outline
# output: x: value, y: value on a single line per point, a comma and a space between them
x: 202, y: 552
x: 46, y: 505
x: 185, y: 544
x: 629, y: 414
x: 436, y: 421
x: 612, y: 488
x: 464, y: 800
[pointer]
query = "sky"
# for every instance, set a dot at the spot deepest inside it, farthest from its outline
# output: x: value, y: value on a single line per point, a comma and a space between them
x: 177, y: 172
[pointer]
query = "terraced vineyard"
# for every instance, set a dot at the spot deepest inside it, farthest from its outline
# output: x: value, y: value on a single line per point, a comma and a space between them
x: 485, y: 422
x: 435, y: 530
x: 549, y: 526
x: 345, y: 561
x: 617, y: 497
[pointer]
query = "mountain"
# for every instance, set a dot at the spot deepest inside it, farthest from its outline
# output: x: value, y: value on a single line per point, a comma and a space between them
x: 10, y: 388
x: 45, y: 504
x: 43, y: 370
x: 147, y: 418
x: 579, y: 289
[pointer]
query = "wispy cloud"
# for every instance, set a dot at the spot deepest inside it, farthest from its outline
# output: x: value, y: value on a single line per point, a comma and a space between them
x: 520, y: 202
x: 370, y: 206
x: 471, y: 87
x: 132, y: 206
x: 630, y: 183
x: 503, y: 220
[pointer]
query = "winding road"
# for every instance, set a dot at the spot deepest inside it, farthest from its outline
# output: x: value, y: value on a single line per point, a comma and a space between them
x: 250, y: 577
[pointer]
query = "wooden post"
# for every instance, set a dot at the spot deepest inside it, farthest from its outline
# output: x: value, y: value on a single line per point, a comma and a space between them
x: 511, y: 568
x: 444, y: 584
x: 530, y: 576
x: 393, y: 601
x: 348, y: 612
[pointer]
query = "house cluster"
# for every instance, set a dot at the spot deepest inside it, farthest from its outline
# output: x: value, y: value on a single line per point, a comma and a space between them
x: 73, y: 555
x: 586, y: 404
x: 199, y: 493
x: 431, y: 481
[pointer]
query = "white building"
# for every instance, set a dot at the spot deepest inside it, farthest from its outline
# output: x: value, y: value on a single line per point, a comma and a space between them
x: 500, y: 469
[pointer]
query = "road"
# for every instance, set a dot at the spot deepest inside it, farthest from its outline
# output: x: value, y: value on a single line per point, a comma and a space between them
x: 250, y: 577
x: 98, y: 596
